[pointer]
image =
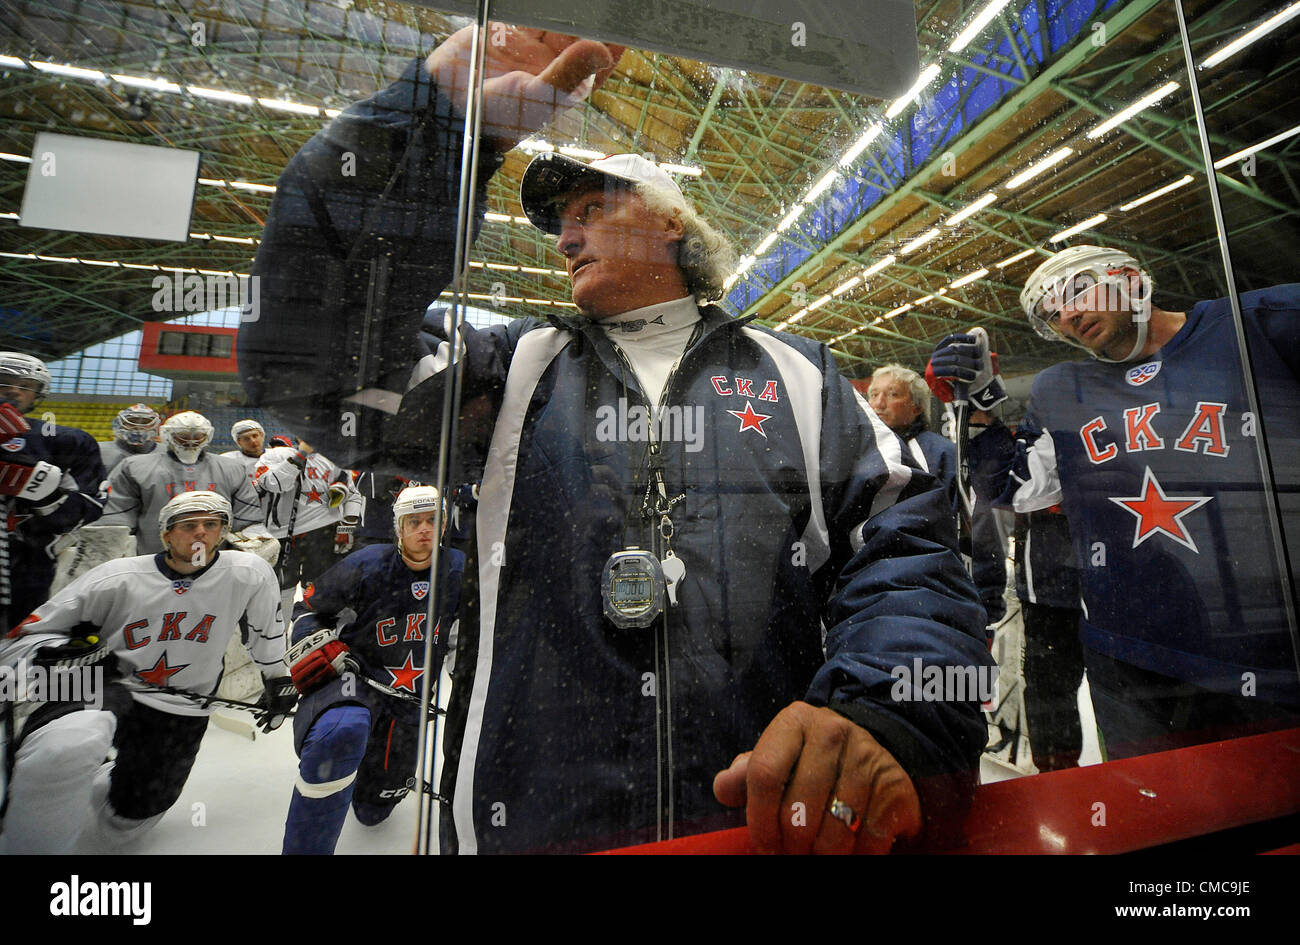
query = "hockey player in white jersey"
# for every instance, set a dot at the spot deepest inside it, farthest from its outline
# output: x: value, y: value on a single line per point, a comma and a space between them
x: 135, y: 432
x: 250, y: 437
x: 141, y: 485
x: 314, y: 500
x: 156, y: 628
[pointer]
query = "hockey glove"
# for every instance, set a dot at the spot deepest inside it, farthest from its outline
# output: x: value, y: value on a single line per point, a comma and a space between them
x: 337, y: 493
x: 35, y: 480
x: 344, y: 537
x: 298, y: 458
x: 77, y: 653
x: 278, y: 699
x: 12, y: 422
x: 316, y: 659
x: 966, y: 359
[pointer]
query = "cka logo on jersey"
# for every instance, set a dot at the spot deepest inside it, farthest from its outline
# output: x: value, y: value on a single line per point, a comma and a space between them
x: 420, y: 589
x: 13, y: 445
x: 181, y: 586
x: 1137, y: 376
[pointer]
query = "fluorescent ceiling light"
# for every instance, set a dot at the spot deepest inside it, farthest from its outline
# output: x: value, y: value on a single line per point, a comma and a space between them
x: 795, y: 317
x: 333, y: 112
x: 920, y: 240
x: 1087, y: 224
x: 1241, y: 42
x: 681, y: 169
x: 504, y: 266
x: 20, y: 158
x: 284, y: 105
x: 925, y: 78
x: 246, y: 240
x: 1144, y: 102
x: 764, y: 246
x: 1033, y: 170
x: 587, y: 153
x: 743, y: 265
x: 219, y: 95
x: 524, y: 220
x: 819, y: 303
x: 1016, y: 258
x: 845, y: 286
x: 72, y: 71
x: 968, y: 278
x: 877, y: 266
x: 897, y: 311
x: 259, y: 188
x: 497, y: 217
x: 818, y: 188
x: 12, y: 62
x: 860, y: 145
x: 140, y: 82
x: 1155, y: 194
x: 973, y: 208
x: 212, y: 182
x: 535, y: 270
x: 1247, y: 152
x: 536, y: 144
x: 786, y: 222
x: 922, y: 301
x: 976, y: 25
x: 8, y: 216
x: 729, y: 282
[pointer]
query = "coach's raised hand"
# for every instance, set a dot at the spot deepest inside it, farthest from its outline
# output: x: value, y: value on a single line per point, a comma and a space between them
x: 531, y: 76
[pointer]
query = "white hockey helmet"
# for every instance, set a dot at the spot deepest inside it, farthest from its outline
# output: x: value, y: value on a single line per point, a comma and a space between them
x: 241, y: 427
x: 412, y: 500
x: 193, y: 503
x: 1075, y: 270
x: 136, y: 425
x: 30, y: 372
x: 186, y: 433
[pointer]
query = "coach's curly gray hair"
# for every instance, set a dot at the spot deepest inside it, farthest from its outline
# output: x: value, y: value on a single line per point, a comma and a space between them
x: 705, y: 256
x: 916, y: 385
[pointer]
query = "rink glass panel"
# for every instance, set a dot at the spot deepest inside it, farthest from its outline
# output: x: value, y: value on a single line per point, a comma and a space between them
x: 1037, y: 79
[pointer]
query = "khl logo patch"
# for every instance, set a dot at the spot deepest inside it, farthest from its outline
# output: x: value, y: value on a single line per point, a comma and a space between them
x: 1137, y: 376
x: 420, y: 589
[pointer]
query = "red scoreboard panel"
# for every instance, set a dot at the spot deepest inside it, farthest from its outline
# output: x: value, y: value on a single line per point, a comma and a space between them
x: 187, y: 351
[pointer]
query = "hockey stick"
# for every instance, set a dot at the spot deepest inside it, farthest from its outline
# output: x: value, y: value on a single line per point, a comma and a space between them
x: 139, y: 685
x: 966, y: 507
x: 293, y: 519
x: 397, y: 694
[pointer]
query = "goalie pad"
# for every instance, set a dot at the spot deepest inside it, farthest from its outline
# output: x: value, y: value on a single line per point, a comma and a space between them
x: 264, y: 546
x: 94, y: 545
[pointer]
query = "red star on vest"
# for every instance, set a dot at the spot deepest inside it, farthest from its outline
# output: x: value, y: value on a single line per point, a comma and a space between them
x: 160, y: 672
x: 749, y: 420
x: 1160, y: 513
x: 314, y: 495
x: 406, y: 675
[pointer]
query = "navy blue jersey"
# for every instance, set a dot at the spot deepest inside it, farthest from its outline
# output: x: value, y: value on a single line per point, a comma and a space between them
x: 1156, y: 467
x: 390, y: 603
x: 76, y: 453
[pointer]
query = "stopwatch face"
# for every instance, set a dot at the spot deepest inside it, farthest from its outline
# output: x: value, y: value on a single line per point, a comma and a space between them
x: 632, y: 588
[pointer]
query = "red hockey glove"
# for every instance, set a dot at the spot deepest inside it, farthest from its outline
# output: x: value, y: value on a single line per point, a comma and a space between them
x: 12, y: 422
x: 345, y: 537
x: 316, y: 659
x: 26, y: 478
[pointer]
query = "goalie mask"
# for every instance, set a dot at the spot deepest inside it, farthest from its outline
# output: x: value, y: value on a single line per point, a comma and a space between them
x: 188, y: 504
x: 186, y: 434
x: 411, y: 501
x: 1075, y: 271
x: 136, y: 425
x: 23, y: 370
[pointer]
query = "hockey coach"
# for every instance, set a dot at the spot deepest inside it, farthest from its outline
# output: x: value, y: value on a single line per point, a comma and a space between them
x: 700, y: 556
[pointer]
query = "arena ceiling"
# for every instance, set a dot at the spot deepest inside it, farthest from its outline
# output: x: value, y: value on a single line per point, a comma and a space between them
x: 1041, y: 77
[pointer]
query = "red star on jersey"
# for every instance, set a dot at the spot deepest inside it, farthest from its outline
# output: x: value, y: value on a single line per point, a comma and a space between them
x: 406, y: 675
x: 1157, y: 512
x: 749, y: 420
x: 160, y: 672
x: 314, y: 495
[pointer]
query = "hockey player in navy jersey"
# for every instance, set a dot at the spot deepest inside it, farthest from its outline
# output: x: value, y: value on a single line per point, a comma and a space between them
x: 51, y: 481
x: 366, y: 619
x: 154, y: 629
x: 135, y: 431
x: 1150, y: 448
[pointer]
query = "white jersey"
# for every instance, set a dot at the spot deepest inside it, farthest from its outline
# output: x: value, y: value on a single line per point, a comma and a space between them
x: 141, y: 485
x: 172, y: 629
x: 248, y: 462
x: 278, y: 479
x: 113, y: 452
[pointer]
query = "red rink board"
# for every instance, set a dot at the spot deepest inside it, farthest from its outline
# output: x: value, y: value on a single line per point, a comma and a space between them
x: 1148, y: 801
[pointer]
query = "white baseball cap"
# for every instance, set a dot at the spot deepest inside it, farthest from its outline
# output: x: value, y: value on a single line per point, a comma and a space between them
x: 552, y: 177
